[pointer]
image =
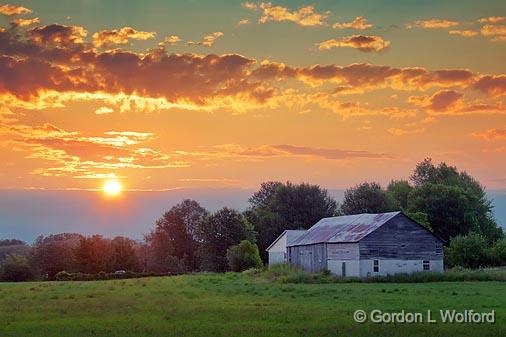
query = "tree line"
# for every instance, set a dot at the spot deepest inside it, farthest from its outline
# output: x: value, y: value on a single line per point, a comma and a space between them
x: 187, y: 237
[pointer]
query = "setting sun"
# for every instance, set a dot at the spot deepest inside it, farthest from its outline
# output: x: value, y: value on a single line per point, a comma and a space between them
x: 112, y: 187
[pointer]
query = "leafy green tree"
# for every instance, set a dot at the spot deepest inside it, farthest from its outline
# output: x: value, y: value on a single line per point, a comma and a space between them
x: 123, y: 254
x: 455, y: 203
x: 468, y: 251
x: 243, y: 256
x: 16, y: 268
x: 158, y: 251
x: 367, y: 198
x: 399, y: 190
x: 277, y: 207
x: 93, y: 255
x: 220, y: 230
x: 499, y: 253
x: 54, y: 253
x: 180, y: 224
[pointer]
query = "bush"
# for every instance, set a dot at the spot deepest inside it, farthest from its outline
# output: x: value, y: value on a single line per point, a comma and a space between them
x: 499, y: 253
x: 468, y: 251
x: 63, y: 276
x: 15, y: 268
x: 243, y: 256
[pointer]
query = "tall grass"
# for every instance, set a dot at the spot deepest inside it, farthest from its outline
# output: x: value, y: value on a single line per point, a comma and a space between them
x: 285, y: 273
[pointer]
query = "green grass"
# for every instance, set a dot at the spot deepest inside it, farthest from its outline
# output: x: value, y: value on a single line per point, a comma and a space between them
x: 237, y: 305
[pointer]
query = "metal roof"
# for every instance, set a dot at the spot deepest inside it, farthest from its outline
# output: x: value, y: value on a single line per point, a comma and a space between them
x: 291, y: 236
x: 347, y: 228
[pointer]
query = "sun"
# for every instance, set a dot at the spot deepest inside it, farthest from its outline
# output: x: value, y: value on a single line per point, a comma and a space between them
x: 112, y: 187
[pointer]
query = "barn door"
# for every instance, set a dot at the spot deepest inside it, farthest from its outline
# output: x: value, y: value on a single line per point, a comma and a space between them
x: 343, y: 269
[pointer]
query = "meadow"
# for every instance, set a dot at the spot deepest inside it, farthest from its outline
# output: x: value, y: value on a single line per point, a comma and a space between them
x: 237, y: 305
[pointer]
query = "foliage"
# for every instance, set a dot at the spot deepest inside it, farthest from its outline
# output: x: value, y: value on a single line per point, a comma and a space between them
x: 399, y: 190
x: 243, y: 256
x: 499, y: 253
x: 219, y: 231
x: 368, y: 198
x: 276, y: 207
x: 179, y: 227
x: 93, y: 254
x: 54, y: 253
x: 124, y: 255
x: 15, y: 268
x: 455, y: 203
x: 469, y: 251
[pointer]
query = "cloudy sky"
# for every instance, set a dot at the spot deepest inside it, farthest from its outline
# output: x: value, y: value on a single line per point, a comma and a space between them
x: 215, y: 94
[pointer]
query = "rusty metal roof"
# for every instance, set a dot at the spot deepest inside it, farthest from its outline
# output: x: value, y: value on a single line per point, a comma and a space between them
x: 347, y: 228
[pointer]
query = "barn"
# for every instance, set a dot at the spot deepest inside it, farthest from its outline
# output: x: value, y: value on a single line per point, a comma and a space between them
x: 364, y: 245
x: 278, y: 249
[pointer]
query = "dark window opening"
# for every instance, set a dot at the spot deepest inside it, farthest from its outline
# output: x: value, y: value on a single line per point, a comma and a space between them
x: 426, y: 265
x: 375, y: 266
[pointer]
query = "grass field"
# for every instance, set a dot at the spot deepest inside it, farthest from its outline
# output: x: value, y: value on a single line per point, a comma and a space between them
x: 237, y: 305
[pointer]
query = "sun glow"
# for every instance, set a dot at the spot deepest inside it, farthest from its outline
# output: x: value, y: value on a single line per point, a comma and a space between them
x: 112, y: 187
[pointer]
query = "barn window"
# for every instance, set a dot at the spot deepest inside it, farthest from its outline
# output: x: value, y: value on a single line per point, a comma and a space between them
x: 439, y: 250
x: 375, y: 266
x: 426, y: 265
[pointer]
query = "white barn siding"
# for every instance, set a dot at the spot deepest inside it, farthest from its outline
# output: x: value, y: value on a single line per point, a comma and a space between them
x: 395, y: 266
x: 343, y: 259
x: 278, y: 252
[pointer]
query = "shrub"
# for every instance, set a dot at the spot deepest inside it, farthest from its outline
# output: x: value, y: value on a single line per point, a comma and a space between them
x: 15, y: 268
x: 243, y: 256
x: 63, y: 276
x: 469, y: 251
x: 499, y: 253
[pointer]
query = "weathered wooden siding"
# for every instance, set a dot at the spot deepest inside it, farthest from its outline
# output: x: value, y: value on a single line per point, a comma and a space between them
x: 342, y: 251
x: 311, y: 258
x: 401, y: 239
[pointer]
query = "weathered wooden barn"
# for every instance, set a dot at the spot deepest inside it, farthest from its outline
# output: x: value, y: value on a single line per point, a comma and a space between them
x: 278, y: 249
x: 366, y: 245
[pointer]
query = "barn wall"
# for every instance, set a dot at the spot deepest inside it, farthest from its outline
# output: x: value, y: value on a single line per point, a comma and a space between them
x: 394, y: 266
x: 276, y: 258
x: 401, y: 239
x: 311, y: 258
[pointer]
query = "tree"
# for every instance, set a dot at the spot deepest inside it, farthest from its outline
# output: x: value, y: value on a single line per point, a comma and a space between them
x: 123, y: 254
x: 469, y: 251
x: 367, y: 198
x: 13, y: 246
x: 15, y: 268
x: 243, y: 256
x: 219, y: 231
x: 54, y: 253
x: 93, y: 255
x: 399, y: 190
x: 180, y: 224
x: 499, y: 253
x: 277, y: 207
x: 455, y: 203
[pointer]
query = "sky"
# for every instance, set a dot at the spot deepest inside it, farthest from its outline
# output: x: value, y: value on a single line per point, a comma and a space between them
x: 166, y: 96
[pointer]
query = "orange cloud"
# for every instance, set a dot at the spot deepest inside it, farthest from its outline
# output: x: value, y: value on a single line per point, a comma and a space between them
x: 172, y: 40
x: 24, y: 22
x: 359, y: 23
x: 494, y: 32
x: 432, y: 24
x: 365, y: 43
x: 78, y: 156
x: 207, y: 41
x: 493, y: 19
x: 120, y: 36
x: 450, y: 102
x: 10, y: 10
x: 493, y: 85
x: 243, y: 22
x: 58, y: 35
x: 491, y: 134
x: 464, y: 33
x: 304, y: 16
